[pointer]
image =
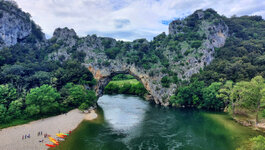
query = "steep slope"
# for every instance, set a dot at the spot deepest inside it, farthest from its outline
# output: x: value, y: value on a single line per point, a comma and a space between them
x: 174, y: 57
x: 15, y: 25
x: 162, y: 65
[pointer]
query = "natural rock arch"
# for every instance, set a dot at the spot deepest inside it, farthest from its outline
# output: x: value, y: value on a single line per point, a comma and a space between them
x: 105, y: 76
x: 103, y: 64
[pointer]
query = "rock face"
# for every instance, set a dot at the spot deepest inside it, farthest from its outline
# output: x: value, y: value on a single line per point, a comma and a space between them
x: 93, y: 47
x: 212, y: 32
x: 15, y: 25
x: 216, y: 34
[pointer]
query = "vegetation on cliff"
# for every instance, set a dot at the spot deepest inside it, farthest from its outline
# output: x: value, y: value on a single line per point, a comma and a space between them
x: 57, y: 65
x: 241, y: 59
x: 33, y: 86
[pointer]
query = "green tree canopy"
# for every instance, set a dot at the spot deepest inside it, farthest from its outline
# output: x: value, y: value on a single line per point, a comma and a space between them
x: 75, y: 95
x: 7, y: 94
x: 42, y: 101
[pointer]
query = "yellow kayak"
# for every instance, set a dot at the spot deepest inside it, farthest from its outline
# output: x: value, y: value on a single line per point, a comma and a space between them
x: 60, y: 135
x: 53, y: 141
x: 63, y: 134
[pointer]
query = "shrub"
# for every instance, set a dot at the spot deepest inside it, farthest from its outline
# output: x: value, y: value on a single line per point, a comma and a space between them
x: 258, y: 143
x: 165, y: 81
x: 196, y: 44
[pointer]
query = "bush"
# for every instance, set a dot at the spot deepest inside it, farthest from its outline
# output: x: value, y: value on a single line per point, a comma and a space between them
x: 79, y: 56
x: 112, y: 52
x: 2, y: 113
x: 196, y: 44
x: 122, y: 77
x: 83, y: 106
x: 258, y: 143
x: 165, y: 81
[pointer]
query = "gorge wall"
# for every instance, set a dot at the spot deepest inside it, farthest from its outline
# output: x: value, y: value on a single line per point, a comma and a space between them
x: 161, y: 64
x: 104, y: 66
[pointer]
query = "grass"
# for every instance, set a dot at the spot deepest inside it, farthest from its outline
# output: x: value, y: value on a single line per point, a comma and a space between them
x: 122, y: 82
x: 127, y: 86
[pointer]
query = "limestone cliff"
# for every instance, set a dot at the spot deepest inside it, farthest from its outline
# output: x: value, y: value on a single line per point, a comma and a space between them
x: 15, y: 25
x: 104, y: 67
x: 187, y: 49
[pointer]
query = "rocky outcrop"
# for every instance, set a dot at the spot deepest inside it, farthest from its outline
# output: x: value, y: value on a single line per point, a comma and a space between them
x: 15, y: 25
x: 93, y: 47
x: 97, y: 52
x: 212, y: 26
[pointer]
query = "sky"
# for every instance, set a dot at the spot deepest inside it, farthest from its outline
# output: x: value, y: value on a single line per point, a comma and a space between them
x: 127, y: 19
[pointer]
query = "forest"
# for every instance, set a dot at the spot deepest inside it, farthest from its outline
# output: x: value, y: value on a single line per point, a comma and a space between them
x: 32, y: 86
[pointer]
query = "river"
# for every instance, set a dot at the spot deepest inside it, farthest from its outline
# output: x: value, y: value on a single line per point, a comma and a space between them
x: 129, y: 122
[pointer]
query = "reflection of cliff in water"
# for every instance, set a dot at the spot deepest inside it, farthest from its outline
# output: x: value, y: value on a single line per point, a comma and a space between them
x: 131, y: 123
x: 123, y: 113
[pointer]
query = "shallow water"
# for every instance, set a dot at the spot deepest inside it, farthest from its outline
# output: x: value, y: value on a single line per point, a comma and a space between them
x: 129, y: 122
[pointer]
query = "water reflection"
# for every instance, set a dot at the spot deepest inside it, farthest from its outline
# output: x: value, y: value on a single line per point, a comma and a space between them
x: 131, y: 123
x: 124, y: 113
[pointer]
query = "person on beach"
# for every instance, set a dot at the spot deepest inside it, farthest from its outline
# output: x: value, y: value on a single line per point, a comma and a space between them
x: 22, y: 137
x: 25, y: 136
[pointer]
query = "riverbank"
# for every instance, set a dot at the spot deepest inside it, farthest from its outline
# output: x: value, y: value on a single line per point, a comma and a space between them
x: 11, y: 138
x: 250, y: 123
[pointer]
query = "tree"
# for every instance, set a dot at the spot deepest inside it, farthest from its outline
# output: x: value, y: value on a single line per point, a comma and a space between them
x: 83, y: 106
x: 7, y: 95
x: 210, y: 100
x: 225, y: 92
x: 75, y: 95
x: 249, y: 95
x: 72, y: 71
x: 2, y: 113
x: 237, y: 95
x: 40, y: 78
x: 190, y: 95
x: 15, y: 109
x: 42, y: 101
x: 259, y: 93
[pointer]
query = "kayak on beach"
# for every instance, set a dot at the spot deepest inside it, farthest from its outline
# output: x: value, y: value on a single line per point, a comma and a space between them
x: 60, y: 135
x: 53, y: 141
x: 50, y: 145
x: 64, y: 134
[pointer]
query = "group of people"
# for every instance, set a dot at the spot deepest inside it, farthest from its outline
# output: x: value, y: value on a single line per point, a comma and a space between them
x: 39, y: 134
x: 25, y: 136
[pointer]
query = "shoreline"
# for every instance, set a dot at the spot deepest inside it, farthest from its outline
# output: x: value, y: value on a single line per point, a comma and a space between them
x: 250, y: 124
x: 11, y: 137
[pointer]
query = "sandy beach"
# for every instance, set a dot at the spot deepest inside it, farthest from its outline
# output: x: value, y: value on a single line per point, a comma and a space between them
x: 11, y: 138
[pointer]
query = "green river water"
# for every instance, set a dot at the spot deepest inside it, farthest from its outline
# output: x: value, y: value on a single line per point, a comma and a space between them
x: 128, y: 122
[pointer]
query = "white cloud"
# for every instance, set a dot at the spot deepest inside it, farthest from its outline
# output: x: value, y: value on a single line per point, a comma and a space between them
x: 126, y: 19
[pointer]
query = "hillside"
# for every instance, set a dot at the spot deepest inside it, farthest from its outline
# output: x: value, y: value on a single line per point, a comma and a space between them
x: 204, y: 46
